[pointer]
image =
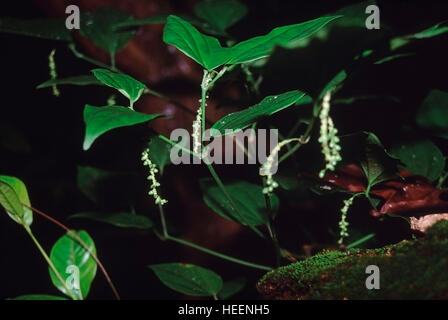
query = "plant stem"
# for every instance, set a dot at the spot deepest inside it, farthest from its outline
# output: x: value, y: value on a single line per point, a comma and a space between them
x: 166, y: 236
x: 303, y: 140
x: 112, y: 61
x: 79, y: 55
x: 83, y: 244
x: 49, y: 262
x: 360, y: 241
x: 269, y: 225
x: 204, y: 88
x: 163, y: 221
x: 219, y: 255
x: 174, y: 144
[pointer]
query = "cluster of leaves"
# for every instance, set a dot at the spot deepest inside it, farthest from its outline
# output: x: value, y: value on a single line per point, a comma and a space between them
x: 241, y: 201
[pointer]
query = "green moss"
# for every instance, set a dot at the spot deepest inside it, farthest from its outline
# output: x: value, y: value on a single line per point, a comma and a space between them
x: 414, y: 269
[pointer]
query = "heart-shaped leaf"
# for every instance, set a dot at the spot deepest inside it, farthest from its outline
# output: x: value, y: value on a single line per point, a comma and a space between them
x: 128, y: 86
x: 76, y: 81
x: 205, y: 50
x: 68, y: 252
x: 102, y: 119
x: 188, y: 279
x: 13, y: 195
x: 99, y: 27
x: 52, y: 29
x: 420, y: 157
x: 268, y: 106
x: 118, y: 219
x: 248, y: 198
x: 221, y: 14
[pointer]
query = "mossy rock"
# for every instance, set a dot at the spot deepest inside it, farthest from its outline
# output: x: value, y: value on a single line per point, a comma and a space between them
x: 411, y: 269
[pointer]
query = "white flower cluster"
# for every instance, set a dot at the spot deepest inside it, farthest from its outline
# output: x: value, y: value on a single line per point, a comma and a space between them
x: 152, y: 177
x: 196, y: 134
x: 343, y: 224
x: 266, y: 169
x: 328, y: 137
x: 53, y: 73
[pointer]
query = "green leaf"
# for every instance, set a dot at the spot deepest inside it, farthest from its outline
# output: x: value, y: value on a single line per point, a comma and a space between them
x: 433, y: 31
x: 159, y: 151
x: 12, y: 194
x: 119, y: 219
x: 52, y: 29
x: 221, y: 14
x: 103, y: 119
x: 188, y: 279
x: 433, y: 114
x: 208, y: 52
x: 420, y: 157
x: 205, y: 50
x: 38, y: 297
x: 377, y: 164
x: 334, y: 83
x: 267, y: 107
x: 68, y: 252
x: 231, y: 288
x: 76, y: 81
x: 128, y: 86
x: 261, y: 46
x: 98, y: 26
x: 248, y: 198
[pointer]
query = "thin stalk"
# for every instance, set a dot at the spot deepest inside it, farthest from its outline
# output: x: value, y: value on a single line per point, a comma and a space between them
x: 360, y: 241
x: 49, y: 262
x: 81, y: 56
x: 163, y: 221
x: 166, y: 236
x: 219, y: 255
x: 174, y: 144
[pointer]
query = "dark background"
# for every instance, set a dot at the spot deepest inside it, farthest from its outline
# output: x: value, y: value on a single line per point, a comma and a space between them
x: 52, y: 130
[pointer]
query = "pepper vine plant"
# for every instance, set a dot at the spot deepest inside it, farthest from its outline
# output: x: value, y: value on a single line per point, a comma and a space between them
x: 253, y: 205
